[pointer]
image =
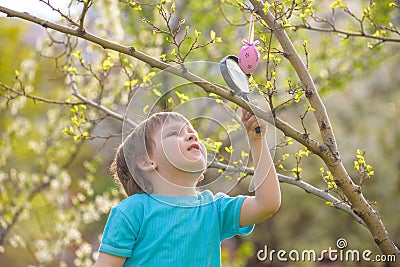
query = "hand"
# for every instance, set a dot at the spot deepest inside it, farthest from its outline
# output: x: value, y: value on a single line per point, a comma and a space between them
x: 251, y: 122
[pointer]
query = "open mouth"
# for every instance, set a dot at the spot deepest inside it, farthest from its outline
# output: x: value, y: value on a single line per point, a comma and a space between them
x: 194, y: 147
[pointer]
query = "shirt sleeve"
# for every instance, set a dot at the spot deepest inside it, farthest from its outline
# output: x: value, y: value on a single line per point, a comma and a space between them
x: 120, y: 234
x: 229, y: 216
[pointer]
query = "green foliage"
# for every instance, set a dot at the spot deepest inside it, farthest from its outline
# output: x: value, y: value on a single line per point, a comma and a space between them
x: 211, y: 145
x: 49, y: 164
x: 241, y: 257
x: 363, y: 169
x: 78, y: 119
x: 10, y: 43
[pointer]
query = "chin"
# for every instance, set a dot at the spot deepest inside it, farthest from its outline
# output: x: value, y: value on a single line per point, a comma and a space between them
x: 197, y: 166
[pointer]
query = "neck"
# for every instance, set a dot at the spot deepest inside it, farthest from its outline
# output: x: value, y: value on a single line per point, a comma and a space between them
x: 175, y: 190
x: 183, y: 184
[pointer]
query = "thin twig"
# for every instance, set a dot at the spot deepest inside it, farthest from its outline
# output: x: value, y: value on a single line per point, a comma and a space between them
x: 47, y: 2
x: 347, y: 33
x: 86, y: 6
x: 38, y: 99
x: 323, y: 194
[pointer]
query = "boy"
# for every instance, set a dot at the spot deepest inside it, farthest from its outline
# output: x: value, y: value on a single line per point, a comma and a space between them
x: 165, y: 221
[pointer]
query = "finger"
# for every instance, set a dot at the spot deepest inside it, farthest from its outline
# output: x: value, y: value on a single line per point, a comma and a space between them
x: 254, y: 125
x: 249, y: 122
x: 245, y: 115
x: 252, y: 122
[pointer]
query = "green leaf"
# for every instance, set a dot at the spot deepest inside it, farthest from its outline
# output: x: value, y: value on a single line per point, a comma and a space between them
x: 229, y: 149
x: 266, y: 7
x: 145, y: 109
x: 148, y: 77
x: 212, y: 34
x: 356, y: 166
x: 156, y: 92
x: 182, y: 97
x: 289, y: 141
x: 211, y: 144
x: 329, y: 203
x: 298, y: 96
x: 131, y: 83
x: 65, y: 131
x: 72, y: 70
x: 338, y: 4
x: 296, y: 170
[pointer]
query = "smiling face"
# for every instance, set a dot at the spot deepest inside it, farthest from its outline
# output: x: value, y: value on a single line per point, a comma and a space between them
x: 177, y: 148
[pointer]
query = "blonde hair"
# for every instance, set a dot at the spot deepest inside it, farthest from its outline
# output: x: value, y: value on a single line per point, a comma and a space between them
x: 139, y: 143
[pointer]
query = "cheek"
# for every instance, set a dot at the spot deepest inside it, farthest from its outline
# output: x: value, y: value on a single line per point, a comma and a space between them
x: 204, y: 151
x: 171, y: 149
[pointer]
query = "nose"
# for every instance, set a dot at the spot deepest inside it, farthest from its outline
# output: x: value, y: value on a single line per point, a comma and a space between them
x: 192, y: 137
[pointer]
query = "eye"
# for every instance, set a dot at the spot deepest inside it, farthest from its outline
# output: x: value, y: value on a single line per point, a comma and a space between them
x: 173, y: 133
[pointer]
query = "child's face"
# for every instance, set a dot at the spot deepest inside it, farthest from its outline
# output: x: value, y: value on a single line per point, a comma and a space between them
x: 177, y: 146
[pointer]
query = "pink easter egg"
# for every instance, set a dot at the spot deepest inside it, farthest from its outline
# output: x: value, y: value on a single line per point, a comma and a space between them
x: 248, y: 57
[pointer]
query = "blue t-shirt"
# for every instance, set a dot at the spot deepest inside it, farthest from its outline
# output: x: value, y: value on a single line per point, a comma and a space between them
x: 155, y: 230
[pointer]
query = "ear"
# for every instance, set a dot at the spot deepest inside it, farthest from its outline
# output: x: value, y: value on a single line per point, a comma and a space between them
x: 145, y: 164
x: 201, y: 178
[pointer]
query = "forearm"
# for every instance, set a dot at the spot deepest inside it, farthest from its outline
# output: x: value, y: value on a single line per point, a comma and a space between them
x: 265, y: 180
x: 108, y: 260
x: 267, y: 199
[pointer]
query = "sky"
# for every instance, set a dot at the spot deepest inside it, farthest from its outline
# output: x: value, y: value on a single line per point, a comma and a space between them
x: 36, y: 8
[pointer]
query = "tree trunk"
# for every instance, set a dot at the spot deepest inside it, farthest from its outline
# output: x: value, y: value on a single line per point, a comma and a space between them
x: 329, y: 151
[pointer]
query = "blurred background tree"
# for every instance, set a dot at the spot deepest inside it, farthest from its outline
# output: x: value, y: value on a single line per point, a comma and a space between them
x: 63, y: 99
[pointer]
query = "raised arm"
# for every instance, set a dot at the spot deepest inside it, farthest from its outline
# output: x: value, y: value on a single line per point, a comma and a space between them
x: 108, y: 260
x: 267, y: 199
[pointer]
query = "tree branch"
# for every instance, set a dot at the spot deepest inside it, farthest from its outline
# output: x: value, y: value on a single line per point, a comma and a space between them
x: 359, y: 204
x: 47, y: 2
x: 347, y: 33
x: 313, y: 145
x: 323, y: 194
x: 75, y: 92
x: 304, y: 75
x: 86, y: 6
x: 38, y: 98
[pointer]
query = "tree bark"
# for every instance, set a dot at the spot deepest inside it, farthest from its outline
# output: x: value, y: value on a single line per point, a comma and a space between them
x: 331, y: 155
